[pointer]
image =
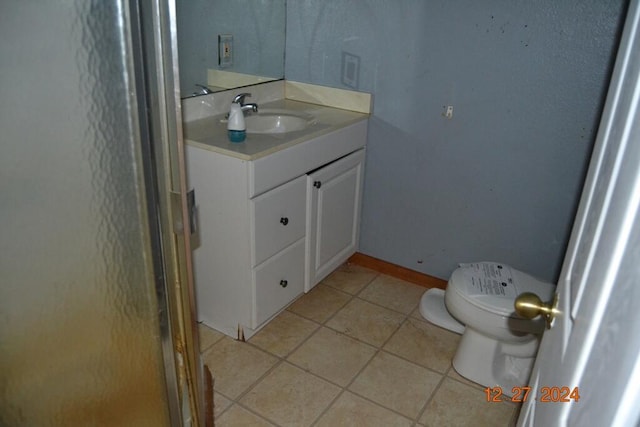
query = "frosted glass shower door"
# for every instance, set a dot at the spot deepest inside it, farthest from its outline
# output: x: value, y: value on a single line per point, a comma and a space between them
x: 81, y: 282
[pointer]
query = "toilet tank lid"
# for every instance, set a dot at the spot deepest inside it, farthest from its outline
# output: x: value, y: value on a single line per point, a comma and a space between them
x: 494, y: 286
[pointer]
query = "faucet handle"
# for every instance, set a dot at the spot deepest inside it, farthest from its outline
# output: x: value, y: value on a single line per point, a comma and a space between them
x: 239, y: 98
x: 204, y: 89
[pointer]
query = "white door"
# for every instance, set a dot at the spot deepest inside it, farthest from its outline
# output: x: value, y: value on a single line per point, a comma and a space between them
x: 587, y: 372
x: 333, y: 211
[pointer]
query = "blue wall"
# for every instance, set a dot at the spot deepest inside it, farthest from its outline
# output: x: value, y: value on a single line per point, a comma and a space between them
x: 502, y: 178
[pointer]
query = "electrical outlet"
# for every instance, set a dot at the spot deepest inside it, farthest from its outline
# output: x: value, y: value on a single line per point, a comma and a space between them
x: 448, y: 112
x: 225, y: 50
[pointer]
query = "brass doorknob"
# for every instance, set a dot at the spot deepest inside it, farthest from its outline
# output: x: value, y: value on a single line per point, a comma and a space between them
x: 529, y: 305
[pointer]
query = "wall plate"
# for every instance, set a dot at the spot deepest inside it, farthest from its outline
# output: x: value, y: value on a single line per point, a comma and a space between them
x: 225, y: 50
x: 350, y: 70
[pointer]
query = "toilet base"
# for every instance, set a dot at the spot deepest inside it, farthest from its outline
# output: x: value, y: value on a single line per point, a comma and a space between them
x: 434, y: 310
x: 479, y: 358
x: 489, y: 362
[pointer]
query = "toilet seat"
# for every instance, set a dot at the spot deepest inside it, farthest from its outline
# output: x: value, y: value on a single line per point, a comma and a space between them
x: 483, y: 294
x: 469, y: 282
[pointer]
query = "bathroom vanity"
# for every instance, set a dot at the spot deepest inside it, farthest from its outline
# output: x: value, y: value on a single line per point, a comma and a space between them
x: 276, y: 213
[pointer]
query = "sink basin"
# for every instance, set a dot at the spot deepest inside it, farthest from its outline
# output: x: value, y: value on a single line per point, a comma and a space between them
x: 277, y: 121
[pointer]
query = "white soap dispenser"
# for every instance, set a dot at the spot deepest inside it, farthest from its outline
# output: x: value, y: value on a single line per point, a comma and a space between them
x: 236, y: 128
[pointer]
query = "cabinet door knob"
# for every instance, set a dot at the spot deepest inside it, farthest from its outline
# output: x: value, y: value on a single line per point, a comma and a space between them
x: 283, y: 283
x: 317, y: 184
x: 284, y: 220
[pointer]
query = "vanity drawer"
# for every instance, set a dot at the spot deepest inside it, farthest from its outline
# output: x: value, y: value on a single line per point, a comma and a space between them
x: 270, y: 171
x: 277, y: 282
x: 278, y: 219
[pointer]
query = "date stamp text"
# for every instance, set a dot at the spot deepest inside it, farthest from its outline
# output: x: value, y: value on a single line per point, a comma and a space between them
x: 521, y: 394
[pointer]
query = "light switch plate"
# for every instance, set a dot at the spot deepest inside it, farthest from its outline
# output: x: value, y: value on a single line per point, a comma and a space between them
x: 225, y: 50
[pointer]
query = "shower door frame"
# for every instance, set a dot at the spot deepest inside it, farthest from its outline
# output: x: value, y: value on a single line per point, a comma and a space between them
x: 154, y: 60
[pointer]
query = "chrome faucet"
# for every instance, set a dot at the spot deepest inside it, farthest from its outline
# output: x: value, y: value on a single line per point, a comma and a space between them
x: 204, y: 90
x: 239, y: 99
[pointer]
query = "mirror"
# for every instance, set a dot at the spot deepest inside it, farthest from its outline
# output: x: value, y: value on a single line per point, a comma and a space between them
x: 252, y: 43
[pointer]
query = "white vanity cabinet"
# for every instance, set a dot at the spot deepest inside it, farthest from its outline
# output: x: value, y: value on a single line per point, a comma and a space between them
x: 254, y: 246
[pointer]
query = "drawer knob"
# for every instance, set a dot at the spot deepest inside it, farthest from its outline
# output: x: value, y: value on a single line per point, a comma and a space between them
x: 283, y: 283
x: 317, y: 184
x: 284, y: 220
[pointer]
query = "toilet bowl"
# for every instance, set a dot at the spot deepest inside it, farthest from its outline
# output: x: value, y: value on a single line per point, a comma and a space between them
x: 497, y: 347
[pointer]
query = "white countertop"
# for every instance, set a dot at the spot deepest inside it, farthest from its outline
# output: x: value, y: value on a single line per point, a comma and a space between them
x: 211, y: 133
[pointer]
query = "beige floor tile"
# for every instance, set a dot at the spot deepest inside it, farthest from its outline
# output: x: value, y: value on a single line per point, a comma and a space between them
x: 220, y: 404
x: 332, y: 356
x: 238, y: 416
x: 320, y: 303
x: 350, y: 278
x: 458, y: 404
x: 236, y: 365
x: 425, y: 344
x: 208, y: 337
x: 284, y: 333
x: 393, y: 293
x: 289, y: 396
x: 366, y: 322
x: 416, y: 313
x: 456, y: 376
x: 396, y: 384
x: 353, y: 411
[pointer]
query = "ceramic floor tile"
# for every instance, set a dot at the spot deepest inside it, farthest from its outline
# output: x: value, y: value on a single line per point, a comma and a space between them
x: 416, y: 313
x: 236, y: 365
x: 238, y: 416
x: 366, y: 322
x: 393, y: 293
x: 425, y: 344
x: 332, y: 356
x: 208, y: 337
x: 353, y: 411
x: 320, y: 303
x: 396, y: 384
x: 288, y: 396
x: 456, y: 376
x: 283, y: 334
x: 350, y: 278
x: 458, y: 404
x: 220, y: 403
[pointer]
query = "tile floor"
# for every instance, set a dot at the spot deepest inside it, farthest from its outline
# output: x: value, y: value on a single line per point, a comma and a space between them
x: 352, y: 352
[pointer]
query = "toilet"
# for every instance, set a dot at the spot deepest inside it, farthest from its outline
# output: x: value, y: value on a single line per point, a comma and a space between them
x: 498, y: 347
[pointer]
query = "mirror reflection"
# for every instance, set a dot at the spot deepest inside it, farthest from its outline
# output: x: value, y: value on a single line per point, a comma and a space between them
x: 224, y: 44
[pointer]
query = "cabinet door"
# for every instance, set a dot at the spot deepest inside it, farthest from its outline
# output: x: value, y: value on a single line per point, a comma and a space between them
x: 333, y: 215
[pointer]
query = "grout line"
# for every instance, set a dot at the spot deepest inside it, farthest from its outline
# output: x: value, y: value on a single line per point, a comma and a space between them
x: 225, y: 409
x: 202, y: 325
x: 337, y: 310
x: 355, y: 377
x: 318, y: 327
x: 430, y: 398
x: 325, y: 410
x: 262, y: 417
